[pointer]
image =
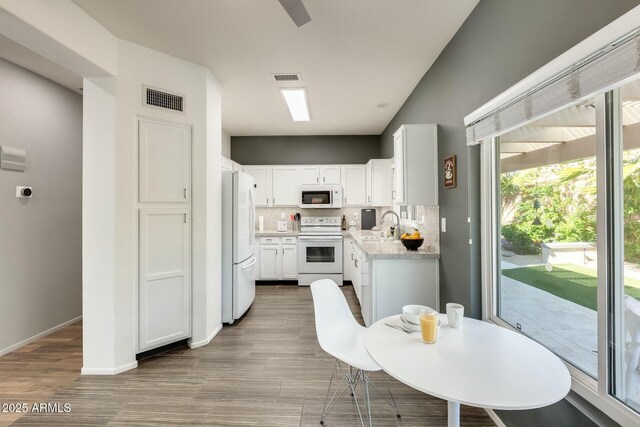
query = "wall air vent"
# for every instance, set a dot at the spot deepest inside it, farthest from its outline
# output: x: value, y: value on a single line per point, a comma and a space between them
x: 289, y: 77
x: 162, y: 99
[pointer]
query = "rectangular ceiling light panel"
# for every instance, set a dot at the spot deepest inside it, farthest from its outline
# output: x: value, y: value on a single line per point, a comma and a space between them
x: 296, y: 99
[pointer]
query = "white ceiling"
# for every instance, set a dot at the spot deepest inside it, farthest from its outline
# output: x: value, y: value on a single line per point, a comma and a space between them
x: 353, y: 55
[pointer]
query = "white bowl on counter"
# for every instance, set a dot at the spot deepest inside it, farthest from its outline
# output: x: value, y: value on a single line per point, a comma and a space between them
x: 411, y: 313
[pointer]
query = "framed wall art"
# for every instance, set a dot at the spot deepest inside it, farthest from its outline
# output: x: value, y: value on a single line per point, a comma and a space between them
x: 450, y: 172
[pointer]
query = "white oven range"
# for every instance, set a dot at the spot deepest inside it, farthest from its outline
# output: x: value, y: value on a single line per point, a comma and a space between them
x: 319, y: 250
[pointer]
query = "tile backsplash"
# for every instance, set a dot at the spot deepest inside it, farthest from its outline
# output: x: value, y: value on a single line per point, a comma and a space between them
x: 427, y: 219
x: 272, y: 215
x: 428, y: 224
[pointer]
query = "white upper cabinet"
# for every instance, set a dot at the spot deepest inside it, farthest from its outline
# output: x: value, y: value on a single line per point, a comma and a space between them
x: 325, y: 174
x: 416, y: 165
x: 353, y: 185
x: 309, y: 175
x: 227, y: 164
x: 363, y: 185
x: 263, y: 177
x: 330, y: 174
x: 285, y: 187
x: 378, y: 182
x: 237, y: 166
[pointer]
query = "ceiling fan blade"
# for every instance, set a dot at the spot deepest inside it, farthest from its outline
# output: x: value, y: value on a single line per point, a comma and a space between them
x: 297, y: 11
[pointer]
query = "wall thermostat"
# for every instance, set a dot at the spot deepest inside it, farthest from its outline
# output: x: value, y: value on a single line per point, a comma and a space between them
x: 24, y: 192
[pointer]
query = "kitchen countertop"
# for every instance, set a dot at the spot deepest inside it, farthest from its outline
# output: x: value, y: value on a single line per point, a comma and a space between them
x: 390, y: 250
x: 288, y: 233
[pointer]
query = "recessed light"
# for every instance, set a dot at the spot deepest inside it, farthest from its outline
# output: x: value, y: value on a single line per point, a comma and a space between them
x: 383, y: 105
x: 296, y: 99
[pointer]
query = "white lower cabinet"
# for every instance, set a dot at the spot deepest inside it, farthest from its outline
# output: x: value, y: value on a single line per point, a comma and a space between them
x: 289, y: 261
x: 347, y: 258
x: 278, y: 258
x: 270, y: 268
x: 384, y: 286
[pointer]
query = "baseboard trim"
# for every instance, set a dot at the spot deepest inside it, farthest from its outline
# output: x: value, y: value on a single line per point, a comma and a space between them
x: 496, y: 419
x: 205, y: 341
x: 109, y: 371
x: 36, y: 337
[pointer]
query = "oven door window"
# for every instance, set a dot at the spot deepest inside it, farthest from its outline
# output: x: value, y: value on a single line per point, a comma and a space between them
x: 326, y: 254
x: 316, y: 197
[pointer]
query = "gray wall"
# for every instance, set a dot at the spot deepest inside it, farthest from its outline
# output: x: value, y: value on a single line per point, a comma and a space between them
x: 40, y: 238
x: 499, y: 44
x: 304, y: 150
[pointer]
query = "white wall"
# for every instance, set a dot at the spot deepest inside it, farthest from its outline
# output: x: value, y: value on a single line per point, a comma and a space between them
x: 114, y: 72
x: 40, y: 254
x: 138, y: 66
x: 226, y: 144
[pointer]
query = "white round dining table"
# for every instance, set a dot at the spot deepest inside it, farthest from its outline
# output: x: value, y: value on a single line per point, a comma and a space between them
x: 480, y: 365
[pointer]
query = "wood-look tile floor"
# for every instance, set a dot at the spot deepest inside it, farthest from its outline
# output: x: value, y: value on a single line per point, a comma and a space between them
x: 265, y: 370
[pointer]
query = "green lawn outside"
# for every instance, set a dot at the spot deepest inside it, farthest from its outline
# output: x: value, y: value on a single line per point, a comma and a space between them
x: 567, y: 281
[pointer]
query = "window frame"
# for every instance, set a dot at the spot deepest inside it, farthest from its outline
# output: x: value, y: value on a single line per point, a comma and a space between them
x: 599, y: 392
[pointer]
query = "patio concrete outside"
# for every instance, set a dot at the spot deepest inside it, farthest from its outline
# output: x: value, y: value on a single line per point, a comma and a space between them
x: 566, y: 328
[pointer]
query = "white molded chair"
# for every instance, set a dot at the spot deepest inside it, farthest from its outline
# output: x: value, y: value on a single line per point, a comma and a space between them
x: 340, y: 335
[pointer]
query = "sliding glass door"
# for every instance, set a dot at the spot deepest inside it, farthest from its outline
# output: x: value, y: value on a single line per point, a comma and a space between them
x: 548, y: 272
x: 565, y: 238
x: 625, y: 291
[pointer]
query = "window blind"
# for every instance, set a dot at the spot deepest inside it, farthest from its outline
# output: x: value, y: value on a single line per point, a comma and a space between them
x: 600, y: 71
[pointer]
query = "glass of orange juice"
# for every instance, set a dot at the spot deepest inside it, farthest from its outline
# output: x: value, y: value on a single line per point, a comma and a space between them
x: 429, y: 325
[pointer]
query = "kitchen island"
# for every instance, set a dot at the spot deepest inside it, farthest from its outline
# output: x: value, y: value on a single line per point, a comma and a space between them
x: 386, y: 276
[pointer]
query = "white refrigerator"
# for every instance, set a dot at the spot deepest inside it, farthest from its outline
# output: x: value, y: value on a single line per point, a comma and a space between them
x: 239, y: 255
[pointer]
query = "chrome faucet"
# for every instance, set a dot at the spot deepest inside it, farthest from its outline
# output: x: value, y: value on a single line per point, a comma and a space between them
x: 397, y: 233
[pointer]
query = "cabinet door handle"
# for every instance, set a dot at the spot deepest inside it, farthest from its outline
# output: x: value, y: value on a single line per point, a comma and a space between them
x: 185, y: 193
x: 317, y: 180
x: 185, y: 218
x: 369, y: 198
x: 352, y: 256
x: 324, y: 179
x: 267, y: 200
x: 274, y: 201
x: 393, y: 194
x: 356, y: 263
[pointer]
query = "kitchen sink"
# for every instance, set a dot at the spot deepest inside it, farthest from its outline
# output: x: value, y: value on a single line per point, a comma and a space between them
x: 379, y: 239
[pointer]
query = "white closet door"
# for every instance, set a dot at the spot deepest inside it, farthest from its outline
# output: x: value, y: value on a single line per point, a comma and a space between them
x: 165, y: 282
x: 164, y: 162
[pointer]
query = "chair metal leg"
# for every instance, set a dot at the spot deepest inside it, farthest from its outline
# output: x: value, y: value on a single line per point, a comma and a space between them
x: 350, y: 380
x: 326, y: 399
x: 365, y: 383
x: 392, y: 404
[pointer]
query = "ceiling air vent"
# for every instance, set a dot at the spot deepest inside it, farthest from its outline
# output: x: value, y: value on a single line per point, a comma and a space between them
x: 162, y: 99
x: 290, y: 77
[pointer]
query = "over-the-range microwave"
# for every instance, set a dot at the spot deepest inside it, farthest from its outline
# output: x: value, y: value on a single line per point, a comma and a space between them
x: 321, y: 196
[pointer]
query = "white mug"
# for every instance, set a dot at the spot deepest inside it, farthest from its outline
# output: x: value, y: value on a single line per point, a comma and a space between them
x: 455, y: 314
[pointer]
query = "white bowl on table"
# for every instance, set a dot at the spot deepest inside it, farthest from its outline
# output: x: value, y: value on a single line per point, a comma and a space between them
x: 411, y: 313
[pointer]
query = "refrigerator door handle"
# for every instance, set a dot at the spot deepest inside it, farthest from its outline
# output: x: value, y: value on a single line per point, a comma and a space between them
x: 252, y: 218
x: 251, y: 264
